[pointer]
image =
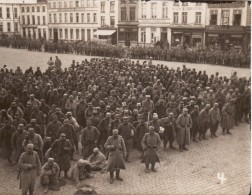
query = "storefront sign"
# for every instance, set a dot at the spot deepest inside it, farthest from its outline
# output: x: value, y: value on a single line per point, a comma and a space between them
x: 186, y: 26
x: 154, y: 21
x: 185, y: 8
x: 228, y: 5
x: 224, y: 28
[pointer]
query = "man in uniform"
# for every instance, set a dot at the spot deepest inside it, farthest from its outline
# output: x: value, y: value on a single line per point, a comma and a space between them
x: 29, y: 165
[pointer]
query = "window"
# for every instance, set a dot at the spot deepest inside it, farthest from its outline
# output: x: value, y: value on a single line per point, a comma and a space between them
x: 50, y: 33
x: 55, y: 18
x: 23, y: 9
x: 123, y: 14
x: 33, y: 20
x: 132, y: 13
x: 49, y: 5
x: 66, y: 18
x: 165, y: 10
x: 34, y: 34
x: 39, y: 33
x: 60, y: 4
x: 77, y: 17
x: 38, y: 20
x: 27, y: 9
x: 153, y: 37
x: 176, y: 4
x: 44, y: 33
x: 95, y: 3
x: 43, y: 8
x: 121, y: 34
x: 44, y: 20
x: 50, y: 18
x: 15, y: 13
x: 225, y: 17
x: 112, y: 21
x: 88, y: 17
x: 1, y: 27
x: 88, y: 3
x: 153, y: 10
x: 38, y: 9
x: 102, y: 7
x: 82, y: 34
x: 77, y: 3
x: 213, y: 17
x: 82, y: 18
x: 123, y: 1
x: 71, y: 17
x: 28, y: 20
x: 143, y: 35
x: 66, y: 34
x: 71, y: 4
x: 94, y: 17
x: 77, y: 34
x: 54, y: 4
x: 60, y: 33
x: 112, y: 6
x: 103, y: 21
x: 60, y: 17
x: 198, y: 4
x: 185, y: 4
x: 71, y: 34
x: 8, y: 27
x: 33, y: 9
x: 23, y: 19
x: 8, y: 12
x: 184, y: 17
x: 143, y: 10
x: 198, y: 18
x: 237, y: 18
x: 175, y: 17
x: 65, y: 4
x: 16, y: 27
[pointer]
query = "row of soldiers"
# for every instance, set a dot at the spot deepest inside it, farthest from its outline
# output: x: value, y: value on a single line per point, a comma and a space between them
x: 209, y: 55
x: 95, y: 99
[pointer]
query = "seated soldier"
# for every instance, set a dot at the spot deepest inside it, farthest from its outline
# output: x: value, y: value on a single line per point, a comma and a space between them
x: 81, y: 171
x: 97, y: 160
x: 49, y: 176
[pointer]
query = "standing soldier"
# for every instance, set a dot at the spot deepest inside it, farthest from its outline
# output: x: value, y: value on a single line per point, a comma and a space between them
x: 117, y: 150
x: 29, y: 164
x: 89, y: 138
x: 184, y: 124
x: 214, y: 119
x: 204, y: 122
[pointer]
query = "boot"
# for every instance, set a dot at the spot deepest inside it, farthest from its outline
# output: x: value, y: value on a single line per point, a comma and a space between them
x: 46, y: 189
x: 172, y: 147
x: 180, y: 148
x: 184, y: 147
x: 117, y: 175
x: 229, y: 132
x: 111, y: 180
x: 127, y: 159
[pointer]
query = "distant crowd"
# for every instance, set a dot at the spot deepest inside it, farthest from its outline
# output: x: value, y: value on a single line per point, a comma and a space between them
x: 211, y: 55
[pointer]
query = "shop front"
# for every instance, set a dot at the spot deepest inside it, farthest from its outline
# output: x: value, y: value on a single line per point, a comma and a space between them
x: 187, y: 37
x: 127, y: 34
x: 108, y: 35
x: 226, y: 37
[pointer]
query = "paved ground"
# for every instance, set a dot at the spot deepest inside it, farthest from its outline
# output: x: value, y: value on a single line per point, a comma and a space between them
x: 25, y: 59
x: 192, y: 172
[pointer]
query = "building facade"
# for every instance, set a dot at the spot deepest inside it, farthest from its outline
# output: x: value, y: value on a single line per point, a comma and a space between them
x: 9, y: 19
x: 154, y: 18
x: 33, y: 20
x: 225, y: 24
x: 188, y: 24
x: 107, y: 20
x: 128, y: 22
x: 72, y: 20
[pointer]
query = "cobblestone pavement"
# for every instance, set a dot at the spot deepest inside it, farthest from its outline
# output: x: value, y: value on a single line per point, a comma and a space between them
x: 192, y: 172
x: 25, y: 59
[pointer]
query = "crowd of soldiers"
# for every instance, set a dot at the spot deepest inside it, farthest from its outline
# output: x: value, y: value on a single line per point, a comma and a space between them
x: 210, y: 55
x: 109, y: 106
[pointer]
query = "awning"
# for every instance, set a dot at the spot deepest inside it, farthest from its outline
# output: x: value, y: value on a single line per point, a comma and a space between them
x: 236, y: 36
x: 104, y: 32
x: 213, y: 35
x: 177, y: 32
x: 197, y: 36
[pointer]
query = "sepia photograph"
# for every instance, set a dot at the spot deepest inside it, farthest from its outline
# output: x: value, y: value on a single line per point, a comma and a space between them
x: 125, y: 97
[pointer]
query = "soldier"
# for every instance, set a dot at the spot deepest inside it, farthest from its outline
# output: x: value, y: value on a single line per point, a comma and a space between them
x: 215, y: 119
x: 204, y: 122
